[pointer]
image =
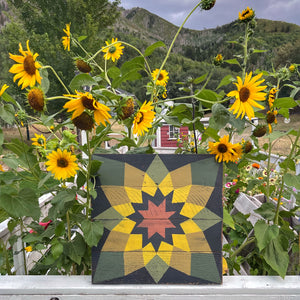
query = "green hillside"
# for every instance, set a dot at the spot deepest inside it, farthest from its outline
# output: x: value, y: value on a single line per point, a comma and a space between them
x: 144, y: 27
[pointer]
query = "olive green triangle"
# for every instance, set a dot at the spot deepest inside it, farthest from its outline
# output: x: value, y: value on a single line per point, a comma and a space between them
x: 157, y: 268
x: 205, y: 219
x: 157, y: 170
x: 204, y: 266
x: 110, y: 266
x: 109, y: 214
x: 205, y: 171
x: 111, y: 171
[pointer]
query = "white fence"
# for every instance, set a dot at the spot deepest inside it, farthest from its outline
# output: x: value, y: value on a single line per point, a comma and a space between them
x: 80, y: 287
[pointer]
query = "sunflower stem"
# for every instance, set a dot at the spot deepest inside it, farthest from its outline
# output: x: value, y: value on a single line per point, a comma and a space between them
x: 56, y: 75
x: 245, y: 52
x: 88, y: 196
x: 294, y: 145
x: 174, y: 39
x: 23, y: 249
x: 82, y: 48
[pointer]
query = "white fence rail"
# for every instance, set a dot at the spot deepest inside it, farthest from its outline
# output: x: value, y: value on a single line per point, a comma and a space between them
x: 80, y: 287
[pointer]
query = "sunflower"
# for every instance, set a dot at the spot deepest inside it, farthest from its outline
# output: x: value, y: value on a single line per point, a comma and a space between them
x: 62, y: 164
x: 162, y: 78
x: 66, y: 39
x: 39, y: 140
x: 247, y: 93
x: 246, y: 15
x: 272, y: 96
x: 222, y: 149
x: 36, y: 99
x: 26, y: 69
x: 143, y: 119
x: 84, y: 101
x: 114, y: 51
x: 4, y: 87
x: 271, y: 118
x: 237, y: 152
x: 218, y: 60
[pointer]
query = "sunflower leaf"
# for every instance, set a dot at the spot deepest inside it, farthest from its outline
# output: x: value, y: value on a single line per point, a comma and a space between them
x: 82, y: 80
x: 154, y: 46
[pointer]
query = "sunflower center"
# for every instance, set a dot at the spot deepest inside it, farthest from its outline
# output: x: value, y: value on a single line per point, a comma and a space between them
x: 139, y: 117
x: 160, y: 77
x: 36, y: 99
x: 244, y: 94
x: 40, y: 141
x: 270, y: 117
x: 62, y: 163
x: 88, y: 103
x: 29, y: 65
x: 112, y: 49
x: 247, y: 12
x: 222, y: 148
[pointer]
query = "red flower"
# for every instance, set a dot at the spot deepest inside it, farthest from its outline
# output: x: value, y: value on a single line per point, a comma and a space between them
x: 45, y: 224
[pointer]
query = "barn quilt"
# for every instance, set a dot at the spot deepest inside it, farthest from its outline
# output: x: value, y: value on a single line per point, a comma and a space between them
x: 162, y: 217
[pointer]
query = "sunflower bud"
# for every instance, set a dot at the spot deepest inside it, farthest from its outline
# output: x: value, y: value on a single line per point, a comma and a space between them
x: 84, y: 121
x: 83, y: 66
x: 207, y: 4
x: 270, y: 117
x: 260, y: 131
x: 36, y: 99
x: 218, y: 60
x: 292, y: 68
x: 127, y: 109
x: 247, y: 147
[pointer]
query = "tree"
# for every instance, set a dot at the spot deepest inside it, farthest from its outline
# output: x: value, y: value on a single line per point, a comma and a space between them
x: 42, y: 22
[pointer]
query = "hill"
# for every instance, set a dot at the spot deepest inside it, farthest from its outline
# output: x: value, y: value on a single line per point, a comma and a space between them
x: 276, y: 37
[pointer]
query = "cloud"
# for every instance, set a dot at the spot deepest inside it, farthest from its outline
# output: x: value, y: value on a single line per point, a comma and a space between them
x: 222, y: 13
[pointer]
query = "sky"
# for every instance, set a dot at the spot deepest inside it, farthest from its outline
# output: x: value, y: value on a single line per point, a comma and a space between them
x: 224, y: 11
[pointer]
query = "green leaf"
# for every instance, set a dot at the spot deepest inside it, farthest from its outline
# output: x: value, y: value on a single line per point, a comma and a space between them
x: 264, y: 233
x: 81, y: 179
x: 1, y: 137
x: 81, y: 38
x: 24, y: 203
x: 17, y: 147
x: 276, y: 257
x: 95, y: 166
x: 259, y: 51
x: 220, y: 116
x: 6, y: 97
x: 113, y: 72
x: 289, y: 163
x: 82, y: 80
x: 286, y: 102
x: 57, y: 249
x: 233, y: 61
x: 199, y: 79
x: 284, y: 112
x: 92, y: 232
x: 7, y: 113
x: 154, y: 46
x: 227, y: 219
x: 75, y: 249
x: 292, y: 180
x: 60, y: 229
x: 45, y: 84
x: 127, y: 142
x: 276, y: 135
x: 267, y: 211
x: 226, y: 80
x: 211, y: 132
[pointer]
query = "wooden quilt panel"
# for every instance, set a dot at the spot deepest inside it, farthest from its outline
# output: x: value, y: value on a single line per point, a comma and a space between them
x: 162, y: 217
